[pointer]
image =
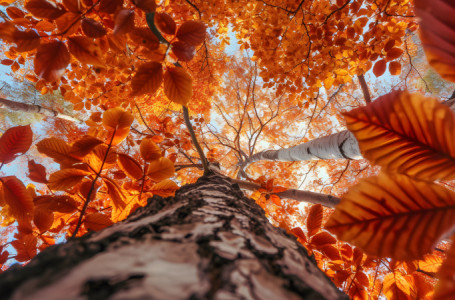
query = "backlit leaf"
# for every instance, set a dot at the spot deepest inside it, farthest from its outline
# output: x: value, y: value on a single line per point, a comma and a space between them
x: 116, y: 118
x: 178, y: 85
x: 394, y: 216
x: 97, y: 221
x: 395, y: 68
x: 26, y: 40
x: 84, y: 146
x: 314, y: 219
x: 182, y: 51
x: 36, y: 172
x: 43, y: 219
x: 437, y: 34
x: 149, y: 150
x: 145, y: 5
x: 191, y: 32
x: 298, y: 232
x: 98, y: 155
x: 74, y: 6
x: 407, y: 133
x: 397, y: 287
x: 165, y: 23
x: 161, y: 169
x: 110, y: 6
x: 16, y: 196
x: 51, y: 60
x: 165, y: 188
x: 66, y: 178
x: 446, y: 285
x: 14, y: 141
x: 144, y: 37
x: 62, y: 204
x: 58, y: 150
x: 130, y: 166
x: 44, y: 9
x: 322, y: 238
x: 124, y: 21
x: 379, y: 68
x: 430, y: 263
x: 92, y: 28
x: 147, y: 79
x: 394, y: 53
x: 85, y: 50
x: 116, y: 193
x: 25, y: 247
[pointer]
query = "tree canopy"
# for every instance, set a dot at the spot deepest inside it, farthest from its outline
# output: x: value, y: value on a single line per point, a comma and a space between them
x: 139, y: 98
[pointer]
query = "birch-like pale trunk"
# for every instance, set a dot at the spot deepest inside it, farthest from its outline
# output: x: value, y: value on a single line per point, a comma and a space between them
x: 207, y: 242
x: 335, y: 146
x: 31, y: 108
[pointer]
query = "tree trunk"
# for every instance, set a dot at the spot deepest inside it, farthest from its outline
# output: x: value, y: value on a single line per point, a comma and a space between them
x: 207, y: 242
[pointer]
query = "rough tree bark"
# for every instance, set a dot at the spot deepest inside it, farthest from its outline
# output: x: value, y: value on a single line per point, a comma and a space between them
x: 207, y: 242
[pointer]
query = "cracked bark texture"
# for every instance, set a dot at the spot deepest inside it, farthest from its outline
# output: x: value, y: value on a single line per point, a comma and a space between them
x: 207, y: 242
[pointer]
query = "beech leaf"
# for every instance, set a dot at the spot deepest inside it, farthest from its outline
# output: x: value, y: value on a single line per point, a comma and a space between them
x: 66, y: 178
x: 161, y: 169
x: 51, y: 60
x: 191, y: 32
x: 178, y: 85
x: 15, y: 140
x: 149, y: 150
x: 147, y: 79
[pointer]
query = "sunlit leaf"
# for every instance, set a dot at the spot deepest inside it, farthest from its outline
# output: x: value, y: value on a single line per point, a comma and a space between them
x: 25, y: 247
x: 124, y: 21
x: 99, y: 157
x: 58, y: 150
x: 437, y: 34
x: 394, y: 216
x: 147, y: 79
x: 395, y: 68
x: 398, y: 287
x: 314, y: 219
x: 43, y: 219
x: 62, y: 204
x: 145, y: 5
x: 51, y: 60
x: 116, y: 193
x: 149, y: 150
x: 74, y: 6
x: 37, y: 172
x: 182, y: 51
x: 322, y: 238
x: 160, y: 169
x: 115, y: 118
x: 85, y: 50
x: 14, y: 141
x: 379, y: 68
x: 165, y: 23
x: 165, y: 188
x: 97, y: 221
x: 26, y: 40
x: 66, y: 178
x: 44, y: 9
x: 191, y: 32
x: 178, y: 85
x: 130, y: 166
x: 84, y: 146
x: 407, y: 133
x: 92, y: 28
x: 430, y: 263
x: 110, y: 6
x: 16, y: 196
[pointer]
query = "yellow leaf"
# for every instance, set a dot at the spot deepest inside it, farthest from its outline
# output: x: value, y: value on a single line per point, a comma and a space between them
x: 178, y: 85
x: 149, y: 150
x: 407, y: 133
x: 66, y: 178
x: 161, y: 169
x: 394, y: 216
x: 165, y: 188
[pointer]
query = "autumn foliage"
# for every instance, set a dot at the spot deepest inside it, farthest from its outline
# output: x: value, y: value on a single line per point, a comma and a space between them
x: 108, y: 58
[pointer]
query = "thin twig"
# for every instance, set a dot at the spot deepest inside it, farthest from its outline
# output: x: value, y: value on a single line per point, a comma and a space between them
x: 186, y: 116
x: 143, y: 121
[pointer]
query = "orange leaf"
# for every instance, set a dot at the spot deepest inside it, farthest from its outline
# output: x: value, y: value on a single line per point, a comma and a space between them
x: 191, y: 32
x: 124, y: 21
x: 314, y: 219
x: 379, y: 68
x: 395, y: 68
x: 16, y: 196
x: 14, y: 12
x: 144, y: 37
x: 26, y: 40
x: 44, y: 9
x: 116, y: 194
x: 165, y: 23
x: 323, y: 238
x: 97, y: 221
x: 74, y: 6
x: 85, y: 50
x: 165, y: 188
x: 130, y: 166
x: 298, y: 232
x: 446, y: 285
x: 37, y: 172
x: 119, y: 215
x: 51, y: 60
x: 43, y: 219
x: 430, y: 263
x: 84, y: 146
x: 330, y: 251
x: 178, y: 85
x: 25, y: 247
x: 437, y: 34
x: 58, y: 150
x: 98, y: 155
x: 92, y: 28
x: 149, y: 150
x: 110, y: 6
x: 393, y: 216
x: 117, y: 118
x: 397, y: 287
x: 66, y: 178
x: 408, y: 134
x: 68, y: 24
x: 394, y: 53
x: 182, y: 51
x: 63, y: 204
x: 15, y: 140
x: 147, y: 79
x: 160, y: 169
x: 145, y: 5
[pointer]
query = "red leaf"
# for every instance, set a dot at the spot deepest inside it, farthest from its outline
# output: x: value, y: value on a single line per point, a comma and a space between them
x: 379, y: 68
x: 51, y: 60
x: 14, y: 141
x: 183, y: 51
x: 165, y: 23
x: 44, y: 9
x: 37, y: 172
x: 92, y: 28
x: 191, y: 32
